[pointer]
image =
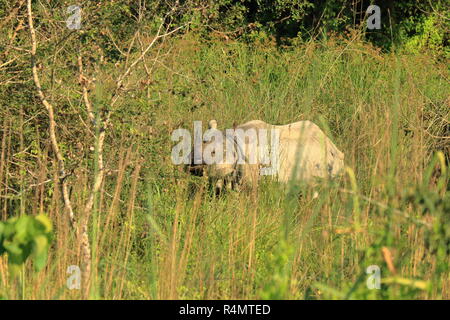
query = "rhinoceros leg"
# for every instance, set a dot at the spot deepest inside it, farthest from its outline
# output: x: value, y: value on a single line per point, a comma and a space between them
x: 219, y: 186
x: 229, y: 184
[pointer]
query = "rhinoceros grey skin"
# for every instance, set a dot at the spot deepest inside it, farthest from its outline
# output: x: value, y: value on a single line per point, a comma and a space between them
x: 305, y: 153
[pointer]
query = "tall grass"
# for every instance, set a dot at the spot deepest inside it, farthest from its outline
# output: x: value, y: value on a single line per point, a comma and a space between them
x: 161, y: 234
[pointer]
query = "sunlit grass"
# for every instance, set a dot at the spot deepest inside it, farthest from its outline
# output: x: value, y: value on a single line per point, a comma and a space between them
x: 162, y: 234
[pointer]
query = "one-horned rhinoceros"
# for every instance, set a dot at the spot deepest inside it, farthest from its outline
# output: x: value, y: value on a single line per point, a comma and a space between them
x: 236, y: 157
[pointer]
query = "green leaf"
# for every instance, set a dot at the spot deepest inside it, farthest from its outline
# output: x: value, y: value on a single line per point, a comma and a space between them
x: 25, y: 236
x: 40, y: 251
x: 40, y: 244
x: 46, y: 222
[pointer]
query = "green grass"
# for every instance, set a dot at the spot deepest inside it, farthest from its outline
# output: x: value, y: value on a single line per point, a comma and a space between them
x: 167, y: 235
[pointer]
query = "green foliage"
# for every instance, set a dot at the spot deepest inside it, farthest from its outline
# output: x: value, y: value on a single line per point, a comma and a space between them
x: 176, y: 240
x: 414, y: 23
x: 426, y: 201
x: 436, y: 202
x: 430, y: 35
x: 279, y: 273
x: 24, y: 237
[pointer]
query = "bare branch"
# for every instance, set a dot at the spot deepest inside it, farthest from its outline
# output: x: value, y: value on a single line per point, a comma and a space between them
x: 52, y: 124
x: 100, y: 135
x: 152, y: 43
x: 83, y: 82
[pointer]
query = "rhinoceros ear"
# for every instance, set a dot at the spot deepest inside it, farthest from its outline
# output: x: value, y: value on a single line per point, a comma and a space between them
x: 212, y: 124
